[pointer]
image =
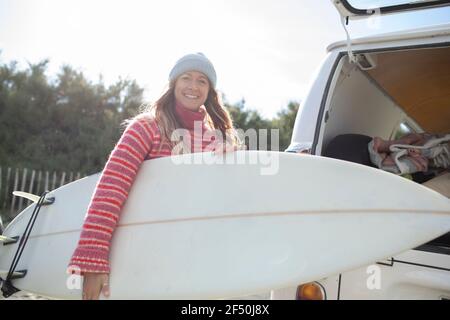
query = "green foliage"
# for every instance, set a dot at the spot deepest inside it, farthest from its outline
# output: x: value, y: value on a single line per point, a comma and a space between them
x: 285, y: 123
x: 250, y: 119
x: 247, y: 120
x: 68, y: 124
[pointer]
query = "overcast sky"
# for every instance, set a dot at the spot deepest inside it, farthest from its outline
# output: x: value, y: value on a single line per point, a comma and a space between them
x: 263, y: 50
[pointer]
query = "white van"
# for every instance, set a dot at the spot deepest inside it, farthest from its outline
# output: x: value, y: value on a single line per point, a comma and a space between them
x: 381, y: 86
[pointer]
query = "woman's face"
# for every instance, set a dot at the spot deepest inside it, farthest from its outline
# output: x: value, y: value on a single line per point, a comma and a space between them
x: 191, y: 89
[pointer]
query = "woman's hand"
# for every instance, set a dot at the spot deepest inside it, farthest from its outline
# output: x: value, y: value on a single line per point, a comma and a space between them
x: 94, y: 284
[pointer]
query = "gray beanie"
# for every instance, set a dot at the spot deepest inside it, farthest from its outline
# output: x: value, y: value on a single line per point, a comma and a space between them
x: 194, y: 62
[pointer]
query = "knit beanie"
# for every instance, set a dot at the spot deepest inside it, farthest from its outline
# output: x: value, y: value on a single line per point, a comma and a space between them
x: 194, y: 62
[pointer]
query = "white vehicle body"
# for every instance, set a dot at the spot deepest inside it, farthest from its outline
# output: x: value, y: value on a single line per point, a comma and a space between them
x: 344, y: 98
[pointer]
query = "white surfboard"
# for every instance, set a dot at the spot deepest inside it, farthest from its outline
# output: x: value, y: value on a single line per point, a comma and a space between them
x: 209, y: 231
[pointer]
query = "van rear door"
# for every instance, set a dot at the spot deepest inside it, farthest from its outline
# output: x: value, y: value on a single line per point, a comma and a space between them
x: 355, y: 9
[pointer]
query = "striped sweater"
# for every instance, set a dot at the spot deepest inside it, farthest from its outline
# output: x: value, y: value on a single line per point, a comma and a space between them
x: 140, y: 141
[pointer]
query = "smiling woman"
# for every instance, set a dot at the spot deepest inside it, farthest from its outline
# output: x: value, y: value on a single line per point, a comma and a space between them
x: 191, y: 104
x: 191, y: 89
x: 191, y: 86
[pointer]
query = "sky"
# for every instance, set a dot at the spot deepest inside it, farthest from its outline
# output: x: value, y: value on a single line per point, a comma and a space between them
x: 264, y: 51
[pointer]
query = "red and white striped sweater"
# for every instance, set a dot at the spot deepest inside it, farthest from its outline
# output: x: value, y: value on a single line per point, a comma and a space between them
x: 140, y: 141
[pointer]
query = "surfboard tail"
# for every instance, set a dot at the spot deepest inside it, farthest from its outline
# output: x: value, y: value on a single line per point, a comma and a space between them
x: 7, y: 287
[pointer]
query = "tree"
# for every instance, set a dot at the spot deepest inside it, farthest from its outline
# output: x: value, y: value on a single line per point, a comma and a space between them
x: 285, y: 121
x: 250, y: 119
x: 68, y: 124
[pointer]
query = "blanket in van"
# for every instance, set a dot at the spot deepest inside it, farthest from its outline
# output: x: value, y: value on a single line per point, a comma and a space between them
x: 415, y: 152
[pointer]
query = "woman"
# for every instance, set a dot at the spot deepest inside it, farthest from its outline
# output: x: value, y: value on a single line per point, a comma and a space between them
x: 190, y: 103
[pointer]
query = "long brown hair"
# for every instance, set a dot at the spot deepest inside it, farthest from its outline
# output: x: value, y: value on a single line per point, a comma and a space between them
x: 163, y: 111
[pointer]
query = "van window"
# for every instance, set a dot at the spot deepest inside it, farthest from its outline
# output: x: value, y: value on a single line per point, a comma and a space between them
x: 402, y: 129
x: 372, y: 4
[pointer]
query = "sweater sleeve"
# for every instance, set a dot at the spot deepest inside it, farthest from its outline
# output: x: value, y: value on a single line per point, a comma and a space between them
x: 110, y: 194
